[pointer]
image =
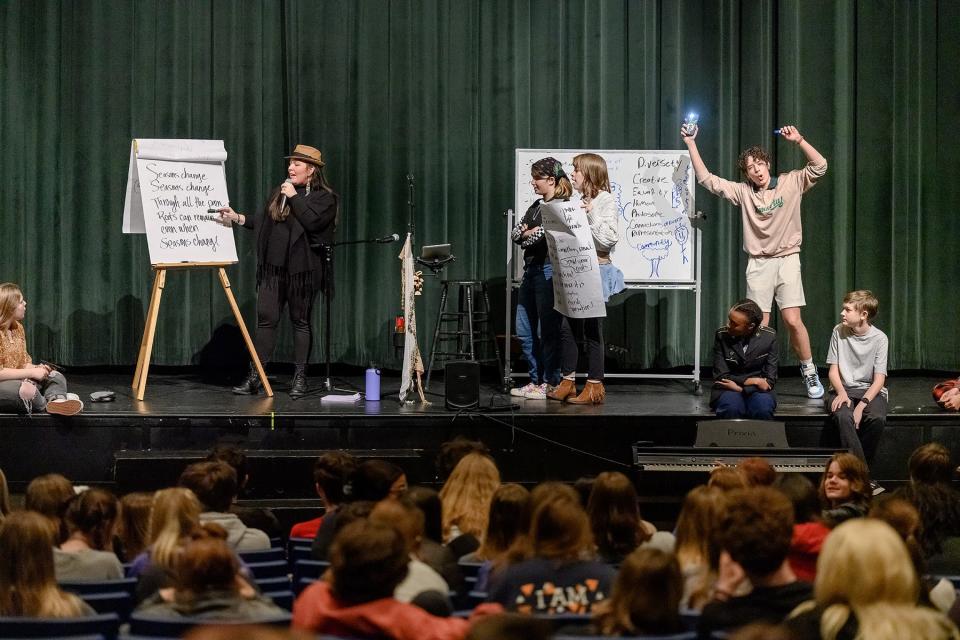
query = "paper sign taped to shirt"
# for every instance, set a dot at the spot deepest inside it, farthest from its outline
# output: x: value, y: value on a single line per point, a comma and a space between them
x: 577, y: 292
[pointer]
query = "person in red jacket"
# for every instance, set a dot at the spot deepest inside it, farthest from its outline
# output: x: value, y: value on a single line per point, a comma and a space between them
x: 367, y: 562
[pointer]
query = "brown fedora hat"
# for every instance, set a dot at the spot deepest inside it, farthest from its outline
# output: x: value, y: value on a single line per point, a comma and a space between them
x: 306, y: 154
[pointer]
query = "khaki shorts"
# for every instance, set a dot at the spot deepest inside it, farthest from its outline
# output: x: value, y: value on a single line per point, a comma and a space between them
x: 775, y: 277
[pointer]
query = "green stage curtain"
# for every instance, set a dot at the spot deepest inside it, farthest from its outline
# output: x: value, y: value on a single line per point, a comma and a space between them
x: 446, y: 90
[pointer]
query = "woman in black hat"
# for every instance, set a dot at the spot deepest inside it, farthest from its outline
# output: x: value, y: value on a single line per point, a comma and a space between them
x: 295, y: 226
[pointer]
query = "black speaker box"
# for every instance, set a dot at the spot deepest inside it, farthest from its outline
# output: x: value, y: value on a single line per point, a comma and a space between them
x: 461, y: 382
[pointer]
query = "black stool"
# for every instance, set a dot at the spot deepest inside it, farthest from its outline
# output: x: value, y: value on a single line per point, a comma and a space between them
x: 472, y: 319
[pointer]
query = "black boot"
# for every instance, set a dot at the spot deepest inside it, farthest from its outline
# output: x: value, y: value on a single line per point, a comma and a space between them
x: 298, y: 386
x: 251, y: 385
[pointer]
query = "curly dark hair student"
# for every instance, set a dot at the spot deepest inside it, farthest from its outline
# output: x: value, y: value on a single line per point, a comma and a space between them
x: 214, y: 483
x: 756, y: 529
x: 758, y: 153
x: 367, y: 561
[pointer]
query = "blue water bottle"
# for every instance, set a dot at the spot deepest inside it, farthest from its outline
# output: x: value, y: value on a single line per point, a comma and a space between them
x: 372, y: 393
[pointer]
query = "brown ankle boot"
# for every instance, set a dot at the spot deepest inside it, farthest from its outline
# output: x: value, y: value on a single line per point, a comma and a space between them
x: 566, y: 389
x: 593, y: 393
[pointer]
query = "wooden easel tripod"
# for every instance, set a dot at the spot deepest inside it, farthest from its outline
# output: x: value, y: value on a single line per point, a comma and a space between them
x: 150, y: 327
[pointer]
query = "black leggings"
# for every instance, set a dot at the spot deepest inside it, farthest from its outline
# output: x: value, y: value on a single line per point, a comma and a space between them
x: 592, y: 331
x: 270, y: 302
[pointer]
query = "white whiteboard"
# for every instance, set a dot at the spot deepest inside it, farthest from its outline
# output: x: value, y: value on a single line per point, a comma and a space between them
x: 654, y: 192
x: 170, y: 186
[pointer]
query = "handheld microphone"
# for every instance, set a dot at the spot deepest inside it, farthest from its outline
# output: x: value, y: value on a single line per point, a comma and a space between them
x: 393, y: 237
x: 283, y: 200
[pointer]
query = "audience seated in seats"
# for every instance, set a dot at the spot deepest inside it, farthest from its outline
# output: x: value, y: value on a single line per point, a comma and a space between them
x: 905, y: 520
x: 371, y: 481
x: 452, y: 451
x: 87, y: 552
x: 947, y: 394
x: 614, y: 513
x: 28, y: 587
x: 367, y: 562
x: 330, y: 474
x: 753, y: 536
x: 50, y: 495
x: 133, y: 529
x: 809, y: 531
x: 696, y: 527
x: 866, y: 587
x: 466, y: 502
x: 215, y: 485
x: 726, y: 478
x: 508, y: 520
x: 432, y: 550
x: 174, y: 515
x: 254, y: 517
x: 510, y: 626
x: 645, y: 600
x: 931, y: 492
x: 844, y: 489
x: 207, y: 585
x: 403, y: 515
x: 4, y: 496
x: 556, y: 572
x: 756, y: 472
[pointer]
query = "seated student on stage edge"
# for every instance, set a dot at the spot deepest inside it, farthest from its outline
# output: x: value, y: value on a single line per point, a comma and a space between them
x: 87, y: 554
x: 368, y: 560
x: 24, y: 386
x: 330, y: 474
x: 844, y: 489
x: 28, y: 587
x: 754, y: 539
x: 745, y: 359
x: 857, y: 401
x: 207, y: 585
x: 215, y: 485
x: 947, y: 394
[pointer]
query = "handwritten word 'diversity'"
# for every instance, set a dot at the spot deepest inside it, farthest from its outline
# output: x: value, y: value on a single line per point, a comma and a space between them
x: 643, y: 162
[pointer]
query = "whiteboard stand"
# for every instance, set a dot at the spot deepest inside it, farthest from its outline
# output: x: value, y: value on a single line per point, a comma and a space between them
x: 153, y: 311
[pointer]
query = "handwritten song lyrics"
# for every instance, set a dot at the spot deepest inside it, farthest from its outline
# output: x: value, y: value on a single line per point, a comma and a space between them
x: 577, y: 292
x: 176, y: 196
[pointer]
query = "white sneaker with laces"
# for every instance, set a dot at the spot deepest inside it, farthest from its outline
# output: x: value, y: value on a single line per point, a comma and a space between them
x: 69, y: 405
x: 539, y: 392
x: 875, y: 488
x: 813, y: 384
x: 521, y: 392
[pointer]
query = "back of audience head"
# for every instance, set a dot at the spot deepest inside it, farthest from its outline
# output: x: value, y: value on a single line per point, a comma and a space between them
x: 50, y: 495
x: 375, y: 480
x: 27, y: 581
x: 615, y: 515
x: 466, y: 495
x: 726, y: 479
x: 905, y: 520
x: 236, y: 458
x: 205, y: 564
x: 452, y: 451
x: 367, y: 561
x: 404, y: 516
x: 645, y: 599
x: 331, y: 472
x: 756, y: 529
x: 560, y: 529
x: 802, y: 494
x: 756, y: 472
x: 510, y: 626
x: 4, y: 496
x: 763, y: 631
x: 214, y: 483
x: 174, y: 515
x: 428, y: 501
x: 696, y: 524
x: 93, y: 514
x: 133, y: 529
x: 351, y: 512
x: 850, y: 475
x: 584, y: 487
x: 930, y: 464
x: 508, y: 520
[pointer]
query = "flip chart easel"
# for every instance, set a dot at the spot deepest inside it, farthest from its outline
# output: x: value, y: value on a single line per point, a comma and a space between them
x: 153, y: 311
x: 172, y: 187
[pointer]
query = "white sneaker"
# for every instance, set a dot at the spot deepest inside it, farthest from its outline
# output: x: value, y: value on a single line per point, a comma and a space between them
x: 813, y: 384
x: 539, y: 392
x: 521, y: 392
x: 69, y: 405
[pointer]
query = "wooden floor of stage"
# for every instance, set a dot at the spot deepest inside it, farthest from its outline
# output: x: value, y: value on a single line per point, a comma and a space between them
x: 185, y: 394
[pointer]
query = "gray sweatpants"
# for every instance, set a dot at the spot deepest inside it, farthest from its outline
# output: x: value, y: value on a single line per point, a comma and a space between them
x: 10, y: 401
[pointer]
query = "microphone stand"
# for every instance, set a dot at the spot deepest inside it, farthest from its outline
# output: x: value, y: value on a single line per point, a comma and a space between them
x: 326, y: 251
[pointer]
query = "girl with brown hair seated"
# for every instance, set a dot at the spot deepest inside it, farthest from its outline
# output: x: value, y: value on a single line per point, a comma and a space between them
x: 87, y: 554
